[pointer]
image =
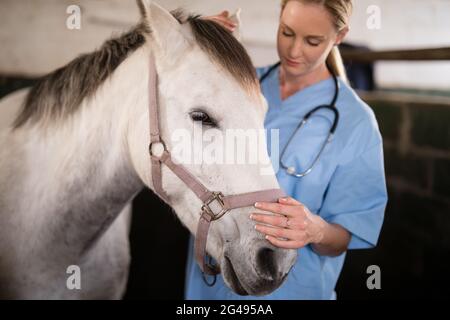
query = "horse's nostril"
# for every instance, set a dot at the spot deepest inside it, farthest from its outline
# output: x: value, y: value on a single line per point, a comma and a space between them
x: 266, y: 265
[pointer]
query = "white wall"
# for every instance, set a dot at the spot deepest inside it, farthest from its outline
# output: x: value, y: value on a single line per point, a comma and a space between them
x: 35, y: 40
x: 407, y: 24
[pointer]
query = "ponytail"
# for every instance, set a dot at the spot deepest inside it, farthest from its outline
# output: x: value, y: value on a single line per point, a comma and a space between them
x: 336, y: 65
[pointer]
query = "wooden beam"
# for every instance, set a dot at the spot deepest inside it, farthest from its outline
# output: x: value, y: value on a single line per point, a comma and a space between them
x: 364, y: 56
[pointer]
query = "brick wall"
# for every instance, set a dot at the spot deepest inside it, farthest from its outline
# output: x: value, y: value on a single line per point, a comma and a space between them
x: 414, y: 247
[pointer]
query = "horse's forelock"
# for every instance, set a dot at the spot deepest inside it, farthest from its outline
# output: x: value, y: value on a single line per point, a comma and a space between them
x: 225, y: 50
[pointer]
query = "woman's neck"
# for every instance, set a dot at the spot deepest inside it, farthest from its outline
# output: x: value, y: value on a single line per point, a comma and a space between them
x: 290, y: 84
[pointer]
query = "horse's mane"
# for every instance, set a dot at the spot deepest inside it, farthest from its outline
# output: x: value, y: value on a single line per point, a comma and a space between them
x: 60, y: 93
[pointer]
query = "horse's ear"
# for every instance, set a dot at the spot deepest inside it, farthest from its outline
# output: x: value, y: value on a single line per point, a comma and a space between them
x: 165, y: 30
x: 142, y: 4
x: 236, y: 18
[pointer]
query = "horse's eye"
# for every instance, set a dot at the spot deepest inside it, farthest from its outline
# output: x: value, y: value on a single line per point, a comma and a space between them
x: 198, y: 115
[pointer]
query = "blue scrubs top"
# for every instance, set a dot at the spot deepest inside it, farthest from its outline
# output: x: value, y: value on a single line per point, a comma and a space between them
x: 346, y: 187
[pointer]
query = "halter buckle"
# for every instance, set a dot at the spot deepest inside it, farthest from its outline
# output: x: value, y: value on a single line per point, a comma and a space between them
x: 206, y: 208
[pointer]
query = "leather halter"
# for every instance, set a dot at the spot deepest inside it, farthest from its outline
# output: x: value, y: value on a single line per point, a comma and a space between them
x: 208, y: 197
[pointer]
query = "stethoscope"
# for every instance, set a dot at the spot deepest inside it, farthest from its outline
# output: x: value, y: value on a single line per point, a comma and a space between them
x: 332, y: 106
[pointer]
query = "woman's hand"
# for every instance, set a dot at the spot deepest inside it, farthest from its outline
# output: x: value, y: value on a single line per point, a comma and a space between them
x: 224, y: 20
x: 293, y: 227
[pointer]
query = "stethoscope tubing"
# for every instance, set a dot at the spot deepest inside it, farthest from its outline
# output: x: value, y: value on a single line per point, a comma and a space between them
x: 331, y: 106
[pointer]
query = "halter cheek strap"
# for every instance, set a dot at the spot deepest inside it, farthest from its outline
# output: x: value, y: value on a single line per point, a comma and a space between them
x: 208, y: 211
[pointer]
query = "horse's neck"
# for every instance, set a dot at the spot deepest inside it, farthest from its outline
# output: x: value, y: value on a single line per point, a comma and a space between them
x: 80, y: 174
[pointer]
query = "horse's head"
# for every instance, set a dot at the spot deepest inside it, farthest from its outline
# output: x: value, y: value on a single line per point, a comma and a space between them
x: 208, y: 96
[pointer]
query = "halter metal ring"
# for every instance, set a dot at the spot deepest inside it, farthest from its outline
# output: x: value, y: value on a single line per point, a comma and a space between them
x: 150, y: 147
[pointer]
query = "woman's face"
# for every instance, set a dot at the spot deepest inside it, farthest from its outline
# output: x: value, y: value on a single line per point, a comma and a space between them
x: 306, y: 36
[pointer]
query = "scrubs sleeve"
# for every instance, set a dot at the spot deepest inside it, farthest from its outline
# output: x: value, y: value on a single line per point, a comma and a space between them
x: 356, y: 197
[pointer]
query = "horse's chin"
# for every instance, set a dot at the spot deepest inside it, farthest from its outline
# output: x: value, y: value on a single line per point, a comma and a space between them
x: 231, y: 278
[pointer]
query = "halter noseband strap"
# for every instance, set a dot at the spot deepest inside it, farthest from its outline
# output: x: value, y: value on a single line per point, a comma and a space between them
x: 208, y: 214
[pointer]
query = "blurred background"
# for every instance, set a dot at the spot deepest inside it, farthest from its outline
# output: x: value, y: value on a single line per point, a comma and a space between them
x: 397, y: 55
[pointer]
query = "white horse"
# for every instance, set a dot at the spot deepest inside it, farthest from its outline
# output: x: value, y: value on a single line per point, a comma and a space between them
x: 74, y: 153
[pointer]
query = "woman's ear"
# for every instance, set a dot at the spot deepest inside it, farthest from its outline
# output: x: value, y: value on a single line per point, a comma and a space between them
x: 236, y: 18
x: 341, y: 35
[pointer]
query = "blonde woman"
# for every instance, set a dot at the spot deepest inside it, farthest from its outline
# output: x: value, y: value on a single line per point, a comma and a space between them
x: 337, y: 189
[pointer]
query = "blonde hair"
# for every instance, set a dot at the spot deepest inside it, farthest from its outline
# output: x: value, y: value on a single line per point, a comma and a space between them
x: 340, y: 11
